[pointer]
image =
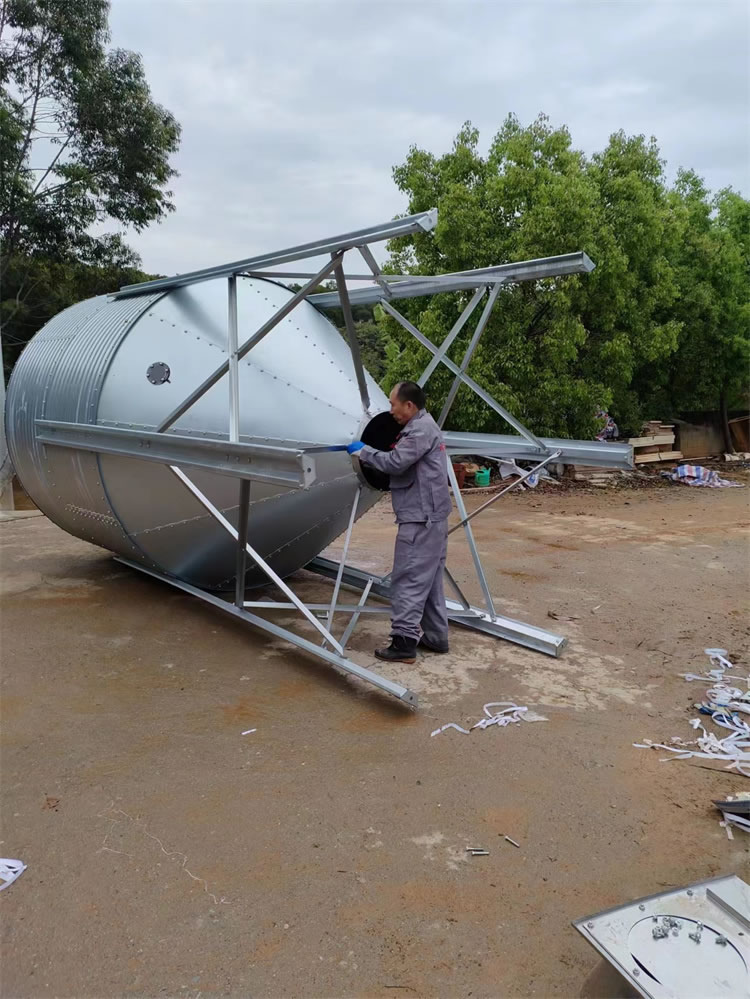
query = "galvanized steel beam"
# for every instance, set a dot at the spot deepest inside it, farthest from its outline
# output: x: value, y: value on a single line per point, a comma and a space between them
x: 599, y: 453
x: 423, y: 221
x: 498, y: 626
x: 279, y: 466
x: 339, y: 661
x: 414, y: 287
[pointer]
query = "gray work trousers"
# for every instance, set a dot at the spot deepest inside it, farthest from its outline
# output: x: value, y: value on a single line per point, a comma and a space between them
x: 417, y: 598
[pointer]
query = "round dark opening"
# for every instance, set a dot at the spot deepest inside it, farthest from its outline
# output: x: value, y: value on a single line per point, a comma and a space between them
x: 381, y: 433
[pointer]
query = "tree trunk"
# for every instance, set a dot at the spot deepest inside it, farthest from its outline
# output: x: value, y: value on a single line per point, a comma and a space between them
x: 728, y: 445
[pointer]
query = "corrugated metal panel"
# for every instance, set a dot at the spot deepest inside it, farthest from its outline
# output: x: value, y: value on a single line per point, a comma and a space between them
x: 59, y: 377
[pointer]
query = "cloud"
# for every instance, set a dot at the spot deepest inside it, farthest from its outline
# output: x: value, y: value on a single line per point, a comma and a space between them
x: 294, y: 113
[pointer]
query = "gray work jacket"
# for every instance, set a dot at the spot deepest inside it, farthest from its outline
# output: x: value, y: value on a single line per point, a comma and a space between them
x: 417, y: 467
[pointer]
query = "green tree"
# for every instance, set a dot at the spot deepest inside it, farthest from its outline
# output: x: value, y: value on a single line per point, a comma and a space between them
x: 36, y: 288
x: 554, y: 351
x: 709, y: 369
x: 81, y: 140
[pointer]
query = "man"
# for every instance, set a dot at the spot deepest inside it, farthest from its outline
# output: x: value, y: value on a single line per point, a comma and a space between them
x: 421, y: 502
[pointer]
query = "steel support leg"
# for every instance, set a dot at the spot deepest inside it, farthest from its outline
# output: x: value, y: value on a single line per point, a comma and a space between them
x: 497, y: 626
x: 351, y: 334
x: 339, y: 661
x: 234, y: 364
x: 242, y: 515
x: 470, y: 538
x: 347, y: 539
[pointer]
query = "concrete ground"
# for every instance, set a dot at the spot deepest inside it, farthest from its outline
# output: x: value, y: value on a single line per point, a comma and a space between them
x: 324, y: 854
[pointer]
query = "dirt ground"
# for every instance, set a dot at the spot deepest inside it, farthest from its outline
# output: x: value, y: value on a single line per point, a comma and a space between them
x: 324, y: 854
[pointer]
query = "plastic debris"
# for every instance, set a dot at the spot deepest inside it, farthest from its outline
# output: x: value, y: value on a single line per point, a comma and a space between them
x: 249, y: 731
x: 10, y: 870
x: 733, y: 749
x: 512, y: 841
x: 449, y: 725
x: 734, y: 820
x: 511, y: 713
x: 697, y: 475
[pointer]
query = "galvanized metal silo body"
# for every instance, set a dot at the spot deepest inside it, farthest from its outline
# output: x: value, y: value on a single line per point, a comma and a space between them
x: 297, y: 388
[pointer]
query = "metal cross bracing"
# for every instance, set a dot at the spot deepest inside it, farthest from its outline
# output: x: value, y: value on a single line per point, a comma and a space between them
x: 294, y: 466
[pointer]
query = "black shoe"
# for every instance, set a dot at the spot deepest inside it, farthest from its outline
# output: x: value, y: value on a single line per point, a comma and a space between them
x: 401, y: 650
x: 432, y: 645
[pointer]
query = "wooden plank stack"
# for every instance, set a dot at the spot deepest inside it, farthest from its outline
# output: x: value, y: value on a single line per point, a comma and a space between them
x: 656, y: 443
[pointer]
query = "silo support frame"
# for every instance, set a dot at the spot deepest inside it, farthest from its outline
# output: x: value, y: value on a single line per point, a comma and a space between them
x: 327, y: 655
x: 460, y: 612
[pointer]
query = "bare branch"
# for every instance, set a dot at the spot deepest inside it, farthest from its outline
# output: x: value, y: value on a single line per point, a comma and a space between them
x: 44, y: 176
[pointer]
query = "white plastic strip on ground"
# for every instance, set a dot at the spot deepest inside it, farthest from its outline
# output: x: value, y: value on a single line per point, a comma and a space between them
x: 723, y: 702
x: 10, y: 870
x: 511, y: 712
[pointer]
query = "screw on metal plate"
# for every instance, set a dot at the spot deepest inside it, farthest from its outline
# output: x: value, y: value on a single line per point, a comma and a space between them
x: 642, y: 907
x: 721, y: 940
x: 659, y: 933
x: 158, y: 373
x: 636, y: 972
x: 690, y: 891
x: 590, y: 925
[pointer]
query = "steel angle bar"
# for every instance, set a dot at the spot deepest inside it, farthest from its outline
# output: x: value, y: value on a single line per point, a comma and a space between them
x: 473, y: 343
x: 470, y: 538
x: 455, y: 330
x: 234, y: 370
x: 264, y: 330
x: 352, y: 576
x: 496, y: 497
x: 295, y: 275
x: 457, y: 589
x: 342, y: 563
x: 423, y: 221
x: 256, y: 556
x: 418, y: 285
x: 599, y: 453
x: 484, y: 396
x: 351, y: 333
x: 340, y: 608
x: 339, y: 661
x: 360, y: 609
x: 243, y: 512
x: 282, y: 466
x: 498, y: 626
x: 377, y: 274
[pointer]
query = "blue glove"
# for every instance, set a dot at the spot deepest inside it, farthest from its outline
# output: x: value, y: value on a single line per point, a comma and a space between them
x: 354, y: 447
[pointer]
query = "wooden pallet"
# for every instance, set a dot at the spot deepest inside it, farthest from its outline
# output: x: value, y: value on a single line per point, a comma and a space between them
x: 641, y: 459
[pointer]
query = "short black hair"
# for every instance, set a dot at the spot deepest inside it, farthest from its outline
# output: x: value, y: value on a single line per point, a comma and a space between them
x: 411, y: 392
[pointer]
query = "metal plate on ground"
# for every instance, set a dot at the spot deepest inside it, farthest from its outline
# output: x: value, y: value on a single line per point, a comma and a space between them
x: 692, y: 942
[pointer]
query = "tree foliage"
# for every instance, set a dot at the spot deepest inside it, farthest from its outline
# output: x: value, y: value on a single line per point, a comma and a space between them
x: 661, y: 322
x: 81, y: 140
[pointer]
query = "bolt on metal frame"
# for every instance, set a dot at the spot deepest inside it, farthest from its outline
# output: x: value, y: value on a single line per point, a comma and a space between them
x: 296, y: 468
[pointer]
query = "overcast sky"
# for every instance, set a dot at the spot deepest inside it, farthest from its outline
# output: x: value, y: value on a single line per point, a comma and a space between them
x: 294, y: 113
